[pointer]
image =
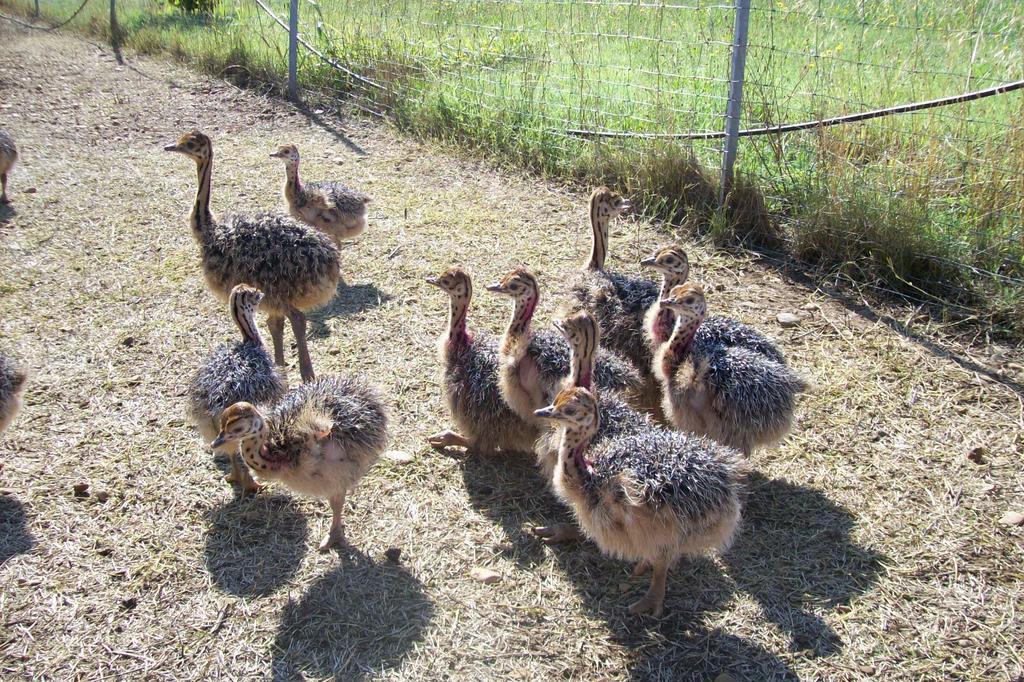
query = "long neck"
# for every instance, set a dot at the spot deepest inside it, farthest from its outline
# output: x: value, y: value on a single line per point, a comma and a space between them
x: 519, y: 325
x: 457, y: 311
x: 666, y: 318
x: 201, y: 217
x: 292, y: 184
x: 599, y: 242
x: 243, y: 317
x: 584, y: 356
x: 577, y: 467
x: 680, y: 341
x: 251, y: 445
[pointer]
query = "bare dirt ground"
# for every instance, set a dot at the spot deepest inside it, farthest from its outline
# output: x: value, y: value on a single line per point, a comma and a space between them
x: 871, y: 545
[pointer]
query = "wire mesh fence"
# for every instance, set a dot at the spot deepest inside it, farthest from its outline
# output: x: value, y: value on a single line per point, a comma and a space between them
x: 927, y: 203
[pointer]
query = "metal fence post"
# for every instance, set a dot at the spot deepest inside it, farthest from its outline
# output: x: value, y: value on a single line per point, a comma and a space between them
x: 293, y: 51
x: 733, y: 109
x: 37, y: 8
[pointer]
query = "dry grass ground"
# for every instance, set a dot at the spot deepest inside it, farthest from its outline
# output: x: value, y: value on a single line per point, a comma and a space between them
x: 871, y: 544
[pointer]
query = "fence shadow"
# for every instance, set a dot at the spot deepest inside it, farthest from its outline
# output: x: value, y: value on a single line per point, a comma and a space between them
x: 15, y: 538
x: 349, y: 300
x: 254, y: 545
x: 357, y: 620
x: 329, y: 125
x: 803, y: 276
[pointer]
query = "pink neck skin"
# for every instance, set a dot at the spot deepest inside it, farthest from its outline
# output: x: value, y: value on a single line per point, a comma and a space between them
x: 665, y: 319
x: 525, y: 306
x: 679, y: 344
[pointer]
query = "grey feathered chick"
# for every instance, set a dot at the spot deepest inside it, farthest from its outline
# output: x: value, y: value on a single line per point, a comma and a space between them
x: 235, y: 372
x: 469, y: 363
x: 296, y: 267
x: 12, y: 387
x: 8, y: 156
x: 319, y: 440
x: 723, y: 378
x: 648, y: 495
x: 338, y: 211
x: 533, y: 365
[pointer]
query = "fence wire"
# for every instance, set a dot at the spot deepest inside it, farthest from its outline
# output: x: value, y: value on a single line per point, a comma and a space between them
x: 928, y: 203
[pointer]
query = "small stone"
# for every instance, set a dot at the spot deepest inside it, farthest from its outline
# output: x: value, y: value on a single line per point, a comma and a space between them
x: 393, y: 554
x: 624, y: 587
x: 977, y: 455
x: 81, y: 489
x: 725, y: 677
x: 105, y: 551
x: 1012, y: 518
x: 102, y: 496
x: 31, y: 190
x: 788, y: 319
x: 810, y: 306
x: 128, y: 341
x: 339, y: 161
x: 485, y: 575
x: 866, y: 669
x: 129, y: 603
x: 399, y: 456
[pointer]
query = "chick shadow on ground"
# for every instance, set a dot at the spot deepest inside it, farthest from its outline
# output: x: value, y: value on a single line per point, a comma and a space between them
x: 509, y: 490
x: 794, y: 555
x: 358, y: 620
x: 255, y: 544
x: 7, y: 214
x: 347, y: 301
x: 14, y: 536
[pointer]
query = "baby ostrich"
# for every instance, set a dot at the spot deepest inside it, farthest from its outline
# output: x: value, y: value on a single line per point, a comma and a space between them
x: 295, y: 267
x: 235, y: 372
x: 12, y: 386
x: 722, y: 378
x: 319, y: 440
x: 336, y: 210
x: 470, y: 377
x: 533, y: 365
x: 8, y: 155
x: 649, y: 495
x: 584, y: 336
x: 618, y: 301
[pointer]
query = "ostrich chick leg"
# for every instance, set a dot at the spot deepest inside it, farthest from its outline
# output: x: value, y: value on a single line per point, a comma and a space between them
x: 336, y: 535
x: 654, y: 601
x: 447, y: 439
x: 276, y: 325
x: 558, y: 532
x: 240, y: 475
x: 298, y: 321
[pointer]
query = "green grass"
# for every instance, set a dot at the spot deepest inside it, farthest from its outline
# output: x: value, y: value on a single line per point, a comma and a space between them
x: 928, y: 204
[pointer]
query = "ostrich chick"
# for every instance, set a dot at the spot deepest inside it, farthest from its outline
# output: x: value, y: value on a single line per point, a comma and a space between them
x: 470, y: 378
x: 12, y: 387
x: 235, y: 372
x: 320, y: 440
x: 8, y: 155
x: 617, y: 417
x: 619, y: 301
x: 722, y: 378
x: 533, y: 365
x: 332, y: 208
x: 296, y: 267
x: 650, y: 496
